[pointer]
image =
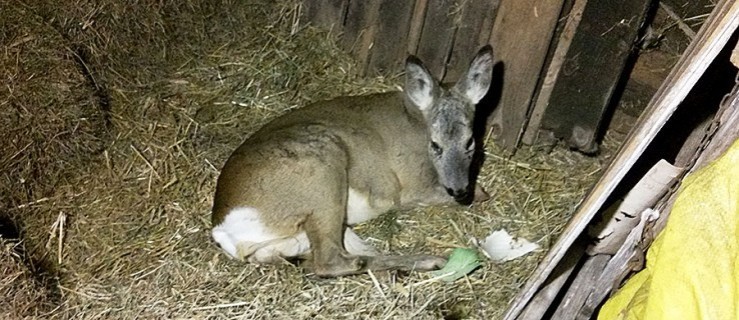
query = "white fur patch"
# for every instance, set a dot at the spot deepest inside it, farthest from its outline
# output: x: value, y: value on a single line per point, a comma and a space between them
x: 242, y: 232
x: 358, y: 208
x: 273, y: 251
x: 355, y: 245
x: 242, y: 235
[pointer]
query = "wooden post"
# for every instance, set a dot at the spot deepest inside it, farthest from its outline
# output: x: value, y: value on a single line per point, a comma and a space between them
x: 531, y: 134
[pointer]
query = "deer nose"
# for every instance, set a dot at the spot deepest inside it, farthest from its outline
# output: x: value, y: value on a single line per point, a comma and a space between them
x: 457, y: 193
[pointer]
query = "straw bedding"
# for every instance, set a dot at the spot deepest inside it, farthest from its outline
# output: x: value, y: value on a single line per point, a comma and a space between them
x: 117, y: 117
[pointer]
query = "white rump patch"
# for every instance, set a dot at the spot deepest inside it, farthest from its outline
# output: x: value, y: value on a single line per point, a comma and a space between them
x: 358, y: 208
x: 242, y: 234
x: 273, y: 251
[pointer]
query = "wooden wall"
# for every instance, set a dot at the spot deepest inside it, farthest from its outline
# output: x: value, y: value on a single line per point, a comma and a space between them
x: 446, y: 34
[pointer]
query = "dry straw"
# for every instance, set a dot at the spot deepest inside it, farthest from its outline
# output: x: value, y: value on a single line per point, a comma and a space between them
x: 116, y: 118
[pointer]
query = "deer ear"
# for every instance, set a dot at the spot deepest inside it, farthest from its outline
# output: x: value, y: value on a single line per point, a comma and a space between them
x: 476, y: 82
x: 420, y: 86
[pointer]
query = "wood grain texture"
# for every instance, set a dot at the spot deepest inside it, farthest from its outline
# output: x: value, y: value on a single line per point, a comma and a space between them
x: 593, y: 67
x: 437, y: 36
x: 473, y: 23
x: 579, y: 290
x: 389, y: 46
x: 713, y: 36
x: 521, y: 36
x: 531, y: 132
x: 417, y: 20
x: 541, y: 303
x: 327, y: 14
x: 360, y: 26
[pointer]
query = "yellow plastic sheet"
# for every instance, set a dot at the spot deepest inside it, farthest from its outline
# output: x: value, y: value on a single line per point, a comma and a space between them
x: 692, y: 270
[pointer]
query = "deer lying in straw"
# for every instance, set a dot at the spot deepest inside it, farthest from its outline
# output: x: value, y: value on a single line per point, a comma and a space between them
x: 293, y: 188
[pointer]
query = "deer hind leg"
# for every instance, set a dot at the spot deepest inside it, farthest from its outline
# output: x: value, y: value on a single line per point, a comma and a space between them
x: 277, y: 250
x: 329, y: 258
x: 298, y: 246
x: 243, y: 235
x: 419, y: 262
x: 324, y: 194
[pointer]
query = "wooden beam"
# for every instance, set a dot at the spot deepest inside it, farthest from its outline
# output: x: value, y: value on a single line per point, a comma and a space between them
x: 576, y: 295
x: 712, y: 37
x: 541, y: 303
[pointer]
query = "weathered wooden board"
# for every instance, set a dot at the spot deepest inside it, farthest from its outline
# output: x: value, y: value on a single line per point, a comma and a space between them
x: 531, y: 132
x: 713, y: 36
x: 586, y: 281
x: 389, y: 46
x: 719, y: 141
x: 417, y: 20
x: 592, y: 69
x: 474, y: 23
x: 541, y: 303
x: 521, y: 36
x: 328, y: 14
x: 360, y: 27
x: 437, y: 36
x: 380, y: 33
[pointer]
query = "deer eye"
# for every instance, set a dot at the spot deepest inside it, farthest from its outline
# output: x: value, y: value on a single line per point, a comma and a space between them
x: 436, y: 148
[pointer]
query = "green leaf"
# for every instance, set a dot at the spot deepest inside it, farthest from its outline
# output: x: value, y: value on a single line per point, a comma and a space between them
x: 461, y: 262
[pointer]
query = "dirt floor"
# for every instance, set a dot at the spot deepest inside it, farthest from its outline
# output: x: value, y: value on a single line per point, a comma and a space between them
x: 118, y: 118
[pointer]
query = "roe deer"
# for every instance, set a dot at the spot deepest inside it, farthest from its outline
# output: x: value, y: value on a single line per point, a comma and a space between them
x: 293, y: 187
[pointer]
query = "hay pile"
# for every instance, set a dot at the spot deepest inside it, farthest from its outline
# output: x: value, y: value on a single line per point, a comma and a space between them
x: 117, y: 117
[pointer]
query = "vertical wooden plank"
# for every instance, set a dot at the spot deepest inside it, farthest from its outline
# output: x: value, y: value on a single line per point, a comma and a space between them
x: 360, y: 26
x: 328, y: 14
x: 473, y: 24
x: 437, y: 36
x: 521, y: 36
x: 388, y: 48
x: 531, y: 133
x: 419, y: 16
x: 592, y: 69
